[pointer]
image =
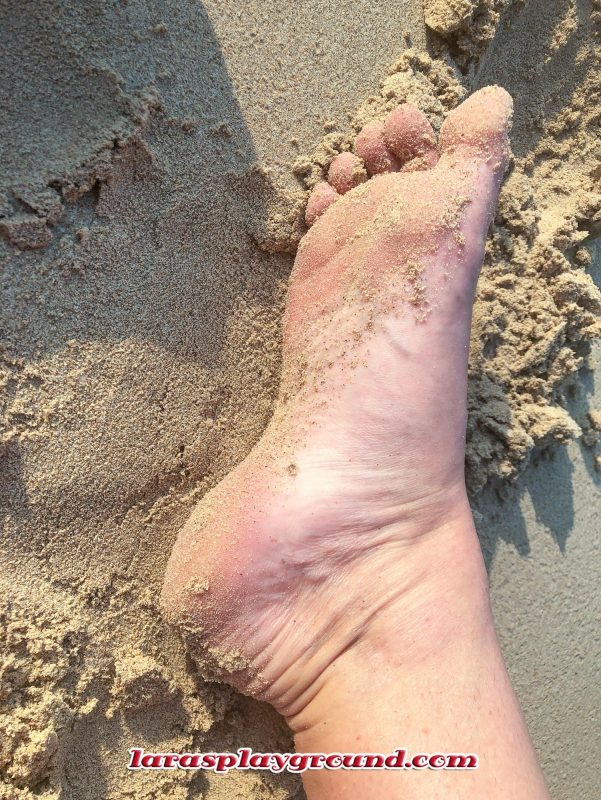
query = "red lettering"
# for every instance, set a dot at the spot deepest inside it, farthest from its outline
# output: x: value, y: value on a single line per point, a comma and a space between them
x: 437, y: 761
x: 334, y: 761
x: 189, y: 761
x: 259, y: 760
x: 225, y: 761
x: 298, y: 762
x: 136, y: 753
x: 316, y: 760
x: 280, y: 761
x: 244, y: 756
x: 208, y: 761
x: 352, y: 761
x: 152, y: 761
x: 397, y: 759
x: 420, y: 761
x: 462, y: 762
x: 374, y: 761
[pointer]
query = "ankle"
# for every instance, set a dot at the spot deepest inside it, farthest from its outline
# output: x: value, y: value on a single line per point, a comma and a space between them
x: 441, y: 605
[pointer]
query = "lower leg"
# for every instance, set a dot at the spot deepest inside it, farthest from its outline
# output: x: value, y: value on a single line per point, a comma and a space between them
x: 428, y: 677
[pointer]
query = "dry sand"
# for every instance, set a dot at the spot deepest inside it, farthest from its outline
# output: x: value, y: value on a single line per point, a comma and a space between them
x: 157, y: 158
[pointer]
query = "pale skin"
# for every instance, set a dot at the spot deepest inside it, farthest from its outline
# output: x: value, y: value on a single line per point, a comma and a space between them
x: 336, y: 572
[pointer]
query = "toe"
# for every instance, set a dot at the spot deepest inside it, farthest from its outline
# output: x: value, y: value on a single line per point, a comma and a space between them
x: 346, y: 171
x: 474, y: 150
x: 371, y: 147
x: 320, y: 200
x: 410, y: 137
x: 477, y: 129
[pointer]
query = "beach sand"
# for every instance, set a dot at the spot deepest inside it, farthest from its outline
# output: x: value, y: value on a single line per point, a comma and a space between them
x: 158, y: 159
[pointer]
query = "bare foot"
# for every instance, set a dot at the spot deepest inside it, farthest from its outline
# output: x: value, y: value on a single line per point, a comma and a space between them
x: 352, y: 508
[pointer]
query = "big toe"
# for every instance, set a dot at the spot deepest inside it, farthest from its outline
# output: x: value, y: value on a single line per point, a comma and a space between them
x: 478, y: 128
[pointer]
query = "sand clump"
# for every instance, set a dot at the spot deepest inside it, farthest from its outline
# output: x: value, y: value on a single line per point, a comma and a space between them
x: 467, y: 26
